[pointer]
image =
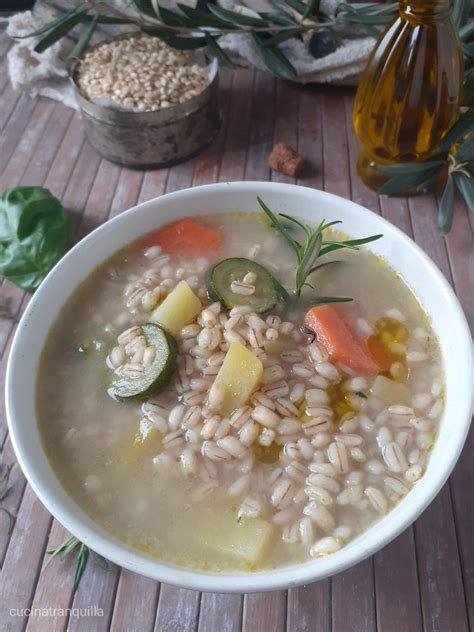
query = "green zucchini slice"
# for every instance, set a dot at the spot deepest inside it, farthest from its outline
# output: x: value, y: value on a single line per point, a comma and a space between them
x: 220, y: 278
x: 154, y: 376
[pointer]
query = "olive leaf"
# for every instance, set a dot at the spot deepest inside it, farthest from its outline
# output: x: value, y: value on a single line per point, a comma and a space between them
x: 217, y: 51
x: 274, y: 59
x: 465, y: 184
x: 445, y: 208
x: 60, y: 30
x: 35, y: 232
x: 84, y: 39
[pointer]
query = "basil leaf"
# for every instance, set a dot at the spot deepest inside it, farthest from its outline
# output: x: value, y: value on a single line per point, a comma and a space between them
x: 35, y: 232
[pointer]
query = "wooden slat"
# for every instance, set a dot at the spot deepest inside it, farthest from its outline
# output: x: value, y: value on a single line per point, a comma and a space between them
x: 23, y: 561
x: 309, y: 608
x: 261, y: 133
x: 396, y: 585
x: 286, y: 122
x: 12, y: 501
x: 207, y: 163
x: 264, y: 611
x: 353, y: 598
x: 127, y: 191
x: 17, y: 153
x: 135, y: 603
x: 336, y: 168
x: 233, y: 159
x: 178, y: 609
x: 220, y: 613
x: 53, y: 589
x: 310, y: 137
x: 153, y: 185
x: 10, y: 99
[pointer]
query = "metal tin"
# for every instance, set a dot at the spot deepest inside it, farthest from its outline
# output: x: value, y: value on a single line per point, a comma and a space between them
x: 153, y: 139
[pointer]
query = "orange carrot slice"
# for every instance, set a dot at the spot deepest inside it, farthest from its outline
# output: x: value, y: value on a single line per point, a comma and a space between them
x: 187, y: 236
x: 334, y: 334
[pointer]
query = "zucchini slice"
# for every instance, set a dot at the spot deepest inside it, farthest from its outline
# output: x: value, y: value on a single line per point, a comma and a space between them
x: 220, y: 277
x: 156, y: 375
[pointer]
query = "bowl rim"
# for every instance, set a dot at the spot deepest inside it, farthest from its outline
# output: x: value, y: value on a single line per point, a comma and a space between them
x: 269, y: 579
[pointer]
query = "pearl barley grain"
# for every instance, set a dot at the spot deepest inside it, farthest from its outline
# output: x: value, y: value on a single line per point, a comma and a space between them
x: 140, y: 73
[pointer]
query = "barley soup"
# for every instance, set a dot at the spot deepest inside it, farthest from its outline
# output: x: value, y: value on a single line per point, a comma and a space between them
x: 210, y: 398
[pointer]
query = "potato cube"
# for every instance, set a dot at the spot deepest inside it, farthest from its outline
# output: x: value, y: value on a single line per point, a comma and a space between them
x: 389, y: 391
x: 178, y: 309
x: 238, y: 376
x: 245, y: 540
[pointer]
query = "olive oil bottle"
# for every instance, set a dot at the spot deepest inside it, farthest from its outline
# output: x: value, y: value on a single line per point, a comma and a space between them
x: 411, y: 90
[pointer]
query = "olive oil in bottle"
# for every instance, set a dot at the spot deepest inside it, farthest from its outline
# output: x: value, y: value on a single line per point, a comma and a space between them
x: 411, y: 90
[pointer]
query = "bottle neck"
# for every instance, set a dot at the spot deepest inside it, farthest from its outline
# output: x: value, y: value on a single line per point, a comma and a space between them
x: 431, y: 9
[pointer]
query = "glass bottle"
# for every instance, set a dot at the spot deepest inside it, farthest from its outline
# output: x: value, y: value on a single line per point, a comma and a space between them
x: 411, y: 90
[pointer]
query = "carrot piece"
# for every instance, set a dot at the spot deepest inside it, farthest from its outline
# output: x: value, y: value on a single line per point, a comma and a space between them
x: 334, y: 334
x: 187, y: 236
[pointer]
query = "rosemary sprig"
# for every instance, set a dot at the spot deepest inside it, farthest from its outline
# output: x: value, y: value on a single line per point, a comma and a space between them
x: 80, y: 553
x: 5, y: 488
x: 311, y: 249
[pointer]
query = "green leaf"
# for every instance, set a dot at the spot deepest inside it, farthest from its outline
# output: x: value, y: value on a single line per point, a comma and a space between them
x: 170, y: 18
x: 323, y: 265
x: 312, y: 7
x: 466, y: 31
x: 466, y: 150
x: 321, y: 300
x: 81, y: 562
x: 349, y: 243
x: 279, y: 226
x: 445, y: 208
x: 403, y: 184
x: 146, y: 7
x: 460, y: 12
x: 35, y: 232
x: 84, y: 39
x: 274, y: 59
x: 306, y: 229
x: 311, y: 253
x: 458, y: 130
x: 280, y: 289
x: 186, y: 43
x: 297, y: 5
x: 411, y: 167
x: 233, y: 17
x: 465, y: 185
x: 221, y: 56
x: 282, y: 36
x: 202, y: 18
x: 50, y: 25
x: 60, y: 31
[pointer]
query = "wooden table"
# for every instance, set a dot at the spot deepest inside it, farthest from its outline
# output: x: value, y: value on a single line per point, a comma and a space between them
x: 424, y: 580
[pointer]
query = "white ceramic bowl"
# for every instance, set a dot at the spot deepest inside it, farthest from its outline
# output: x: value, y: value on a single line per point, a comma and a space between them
x: 415, y: 267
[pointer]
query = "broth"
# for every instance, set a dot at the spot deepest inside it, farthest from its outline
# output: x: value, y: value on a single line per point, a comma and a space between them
x: 147, y: 477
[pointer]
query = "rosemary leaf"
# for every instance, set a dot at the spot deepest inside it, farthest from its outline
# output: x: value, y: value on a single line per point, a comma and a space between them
x: 4, y: 481
x: 350, y: 243
x: 445, y: 208
x: 321, y: 300
x: 279, y: 226
x: 81, y: 562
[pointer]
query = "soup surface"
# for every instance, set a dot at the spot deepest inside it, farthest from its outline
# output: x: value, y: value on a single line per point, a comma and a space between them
x: 272, y: 441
